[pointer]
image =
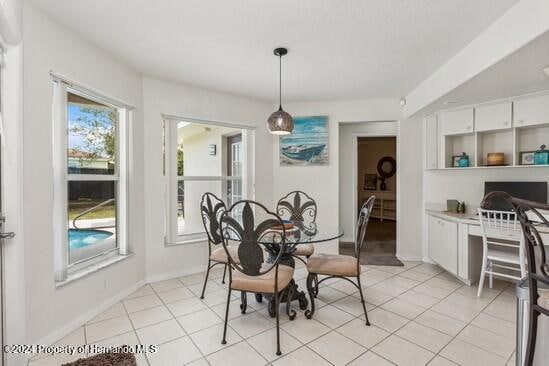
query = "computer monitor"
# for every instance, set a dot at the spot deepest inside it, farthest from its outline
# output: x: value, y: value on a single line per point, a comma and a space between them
x: 531, y: 191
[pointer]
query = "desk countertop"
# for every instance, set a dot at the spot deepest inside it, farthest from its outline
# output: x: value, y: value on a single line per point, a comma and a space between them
x: 469, y: 218
x: 466, y: 218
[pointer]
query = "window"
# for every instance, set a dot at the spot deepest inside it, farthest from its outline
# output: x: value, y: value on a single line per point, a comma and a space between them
x: 201, y: 157
x: 90, y: 178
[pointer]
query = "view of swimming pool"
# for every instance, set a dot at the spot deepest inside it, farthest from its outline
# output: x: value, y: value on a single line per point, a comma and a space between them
x: 83, y: 238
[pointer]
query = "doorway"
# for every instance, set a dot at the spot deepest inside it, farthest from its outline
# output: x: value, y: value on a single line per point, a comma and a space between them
x: 376, y: 175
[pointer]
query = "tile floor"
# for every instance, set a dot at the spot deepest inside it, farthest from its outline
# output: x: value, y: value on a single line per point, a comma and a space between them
x: 420, y: 315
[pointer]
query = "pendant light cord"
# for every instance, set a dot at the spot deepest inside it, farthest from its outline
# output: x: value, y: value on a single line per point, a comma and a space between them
x: 280, y: 83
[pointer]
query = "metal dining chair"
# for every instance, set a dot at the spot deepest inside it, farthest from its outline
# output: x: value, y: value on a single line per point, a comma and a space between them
x: 253, y: 274
x: 502, y: 246
x: 211, y: 209
x: 340, y: 266
x: 299, y: 208
x: 530, y: 220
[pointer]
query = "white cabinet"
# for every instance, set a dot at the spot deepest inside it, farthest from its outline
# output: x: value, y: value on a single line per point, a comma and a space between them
x: 493, y: 117
x: 531, y: 111
x: 431, y: 143
x: 443, y: 243
x: 456, y: 122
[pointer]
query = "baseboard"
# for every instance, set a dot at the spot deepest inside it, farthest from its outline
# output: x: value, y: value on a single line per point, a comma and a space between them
x: 175, y: 274
x: 428, y: 260
x: 346, y: 240
x: 83, y: 319
x: 410, y: 258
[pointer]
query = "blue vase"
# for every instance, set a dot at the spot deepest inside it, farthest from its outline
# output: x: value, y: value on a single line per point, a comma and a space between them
x: 463, y: 161
x: 541, y: 157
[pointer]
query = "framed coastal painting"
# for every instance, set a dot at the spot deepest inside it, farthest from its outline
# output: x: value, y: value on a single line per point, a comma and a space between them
x: 307, y: 144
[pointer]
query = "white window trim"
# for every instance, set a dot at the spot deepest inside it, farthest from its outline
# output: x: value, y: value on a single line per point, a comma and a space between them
x: 64, y: 271
x: 172, y: 237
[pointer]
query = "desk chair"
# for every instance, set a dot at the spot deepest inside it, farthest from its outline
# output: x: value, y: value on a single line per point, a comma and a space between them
x: 502, y: 246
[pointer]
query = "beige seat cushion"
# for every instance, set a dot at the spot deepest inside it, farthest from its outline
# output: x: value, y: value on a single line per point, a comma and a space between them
x: 333, y: 265
x: 219, y: 254
x: 264, y: 283
x: 304, y: 249
x: 543, y: 299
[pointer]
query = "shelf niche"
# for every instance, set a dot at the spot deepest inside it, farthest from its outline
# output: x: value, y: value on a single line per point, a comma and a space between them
x: 530, y: 139
x: 498, y: 141
x: 458, y: 144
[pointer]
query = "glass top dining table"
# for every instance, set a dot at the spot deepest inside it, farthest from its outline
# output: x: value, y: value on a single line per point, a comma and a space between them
x: 298, y: 234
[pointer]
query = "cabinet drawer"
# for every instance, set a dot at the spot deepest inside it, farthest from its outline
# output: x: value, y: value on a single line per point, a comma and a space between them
x: 493, y: 117
x: 531, y: 111
x: 443, y: 243
x: 456, y: 122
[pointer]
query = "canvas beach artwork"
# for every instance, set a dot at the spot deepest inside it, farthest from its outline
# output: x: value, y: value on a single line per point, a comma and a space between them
x: 307, y: 144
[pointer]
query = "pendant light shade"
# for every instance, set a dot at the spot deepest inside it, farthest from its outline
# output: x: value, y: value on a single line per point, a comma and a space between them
x: 280, y: 122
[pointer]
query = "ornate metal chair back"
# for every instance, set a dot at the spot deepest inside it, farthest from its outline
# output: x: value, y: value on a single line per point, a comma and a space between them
x: 211, y: 209
x: 538, y: 270
x: 253, y: 226
x: 299, y: 208
x: 362, y: 224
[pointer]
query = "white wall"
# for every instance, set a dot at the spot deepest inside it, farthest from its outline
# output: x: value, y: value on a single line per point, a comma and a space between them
x: 49, y: 46
x: 411, y: 197
x: 322, y: 182
x: 468, y: 185
x: 10, y: 21
x: 525, y: 21
x: 178, y: 100
x: 14, y: 302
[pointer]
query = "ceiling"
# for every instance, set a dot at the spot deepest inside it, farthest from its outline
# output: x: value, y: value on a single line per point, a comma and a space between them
x: 338, y: 49
x: 519, y: 73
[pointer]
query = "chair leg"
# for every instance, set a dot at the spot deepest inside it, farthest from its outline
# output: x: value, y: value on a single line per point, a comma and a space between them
x: 316, y: 285
x: 491, y: 278
x: 362, y: 300
x: 277, y: 310
x: 206, y: 279
x: 224, y: 273
x: 309, y: 312
x: 243, y: 302
x: 224, y: 341
x: 532, y: 332
x: 482, y: 275
x: 289, y: 296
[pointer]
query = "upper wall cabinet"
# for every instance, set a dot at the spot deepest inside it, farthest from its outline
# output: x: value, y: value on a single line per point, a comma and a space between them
x: 456, y: 122
x: 532, y: 111
x: 493, y: 117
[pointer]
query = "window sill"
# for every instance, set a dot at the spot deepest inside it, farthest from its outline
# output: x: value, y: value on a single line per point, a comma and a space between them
x: 88, y: 270
x: 187, y: 239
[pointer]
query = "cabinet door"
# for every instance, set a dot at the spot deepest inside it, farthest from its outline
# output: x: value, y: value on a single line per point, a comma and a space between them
x: 493, y: 117
x: 443, y: 243
x: 532, y: 111
x: 456, y: 122
x: 431, y: 143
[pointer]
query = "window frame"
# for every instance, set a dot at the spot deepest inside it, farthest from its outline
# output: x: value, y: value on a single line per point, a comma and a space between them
x: 170, y: 144
x: 62, y: 177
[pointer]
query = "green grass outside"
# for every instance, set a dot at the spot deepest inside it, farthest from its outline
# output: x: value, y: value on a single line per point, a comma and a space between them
x: 79, y: 206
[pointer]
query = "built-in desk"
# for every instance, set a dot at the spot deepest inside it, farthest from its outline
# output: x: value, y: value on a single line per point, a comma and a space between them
x: 455, y: 243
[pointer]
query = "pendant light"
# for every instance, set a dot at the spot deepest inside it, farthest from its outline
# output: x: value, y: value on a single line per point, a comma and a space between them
x: 280, y: 122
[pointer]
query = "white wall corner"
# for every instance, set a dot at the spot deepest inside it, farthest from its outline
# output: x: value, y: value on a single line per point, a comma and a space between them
x: 83, y: 319
x: 521, y: 24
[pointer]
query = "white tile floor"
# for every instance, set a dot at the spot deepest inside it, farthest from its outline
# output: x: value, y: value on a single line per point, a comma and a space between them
x: 420, y: 315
